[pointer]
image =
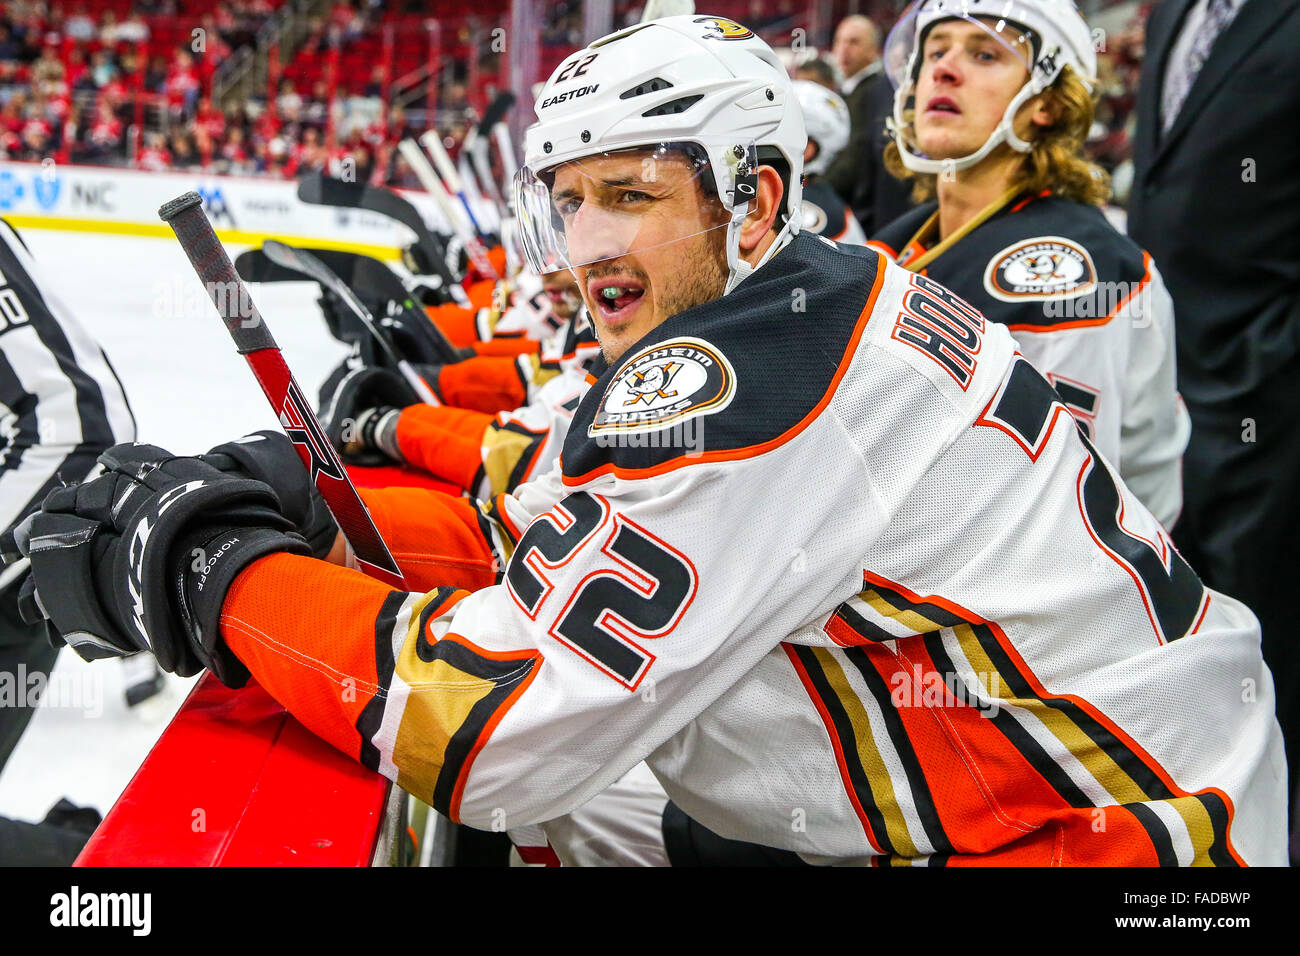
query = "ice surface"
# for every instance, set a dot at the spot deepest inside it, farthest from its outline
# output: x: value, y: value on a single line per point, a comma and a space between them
x: 189, y: 390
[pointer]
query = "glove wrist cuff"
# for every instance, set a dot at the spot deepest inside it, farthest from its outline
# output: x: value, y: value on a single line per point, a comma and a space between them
x: 377, y: 430
x: 209, y: 565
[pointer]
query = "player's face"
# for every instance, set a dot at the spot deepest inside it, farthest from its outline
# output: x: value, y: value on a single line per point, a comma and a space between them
x: 967, y: 79
x: 562, y: 291
x: 651, y: 238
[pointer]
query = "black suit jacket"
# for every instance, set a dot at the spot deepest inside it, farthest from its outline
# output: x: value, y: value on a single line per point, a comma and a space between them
x: 1217, y: 201
x: 858, y: 173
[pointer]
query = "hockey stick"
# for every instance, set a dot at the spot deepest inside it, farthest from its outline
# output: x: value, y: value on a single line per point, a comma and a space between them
x: 489, y: 213
x: 302, y: 261
x: 253, y: 265
x: 478, y: 140
x: 365, y: 275
x: 375, y: 277
x: 253, y: 340
x: 447, y: 172
x: 410, y: 151
x: 506, y: 151
x: 321, y: 190
x: 419, y: 164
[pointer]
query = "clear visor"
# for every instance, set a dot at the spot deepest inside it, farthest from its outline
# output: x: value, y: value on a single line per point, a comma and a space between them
x: 969, y: 34
x: 612, y: 204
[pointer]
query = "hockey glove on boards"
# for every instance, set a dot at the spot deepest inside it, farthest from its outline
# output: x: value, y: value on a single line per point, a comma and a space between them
x: 141, y: 557
x: 269, y: 456
x: 355, y: 404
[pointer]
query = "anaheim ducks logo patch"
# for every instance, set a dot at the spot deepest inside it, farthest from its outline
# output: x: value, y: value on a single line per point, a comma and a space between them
x: 1047, y: 267
x: 664, y: 386
x: 720, y: 28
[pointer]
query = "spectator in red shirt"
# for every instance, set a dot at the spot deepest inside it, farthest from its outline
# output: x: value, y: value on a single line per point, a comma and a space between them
x: 102, y: 140
x: 154, y: 157
x: 182, y: 83
x: 234, y: 155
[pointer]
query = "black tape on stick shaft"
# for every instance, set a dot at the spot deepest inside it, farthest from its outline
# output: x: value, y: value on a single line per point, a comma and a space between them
x: 495, y: 112
x: 228, y: 293
x: 186, y: 217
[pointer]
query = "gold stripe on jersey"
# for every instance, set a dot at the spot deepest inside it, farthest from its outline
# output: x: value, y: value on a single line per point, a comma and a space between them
x: 430, y: 717
x: 1112, y: 777
x: 908, y: 617
x: 1200, y: 828
x: 451, y: 696
x: 413, y: 675
x: 537, y: 372
x: 1099, y: 756
x: 863, y: 746
x: 508, y: 453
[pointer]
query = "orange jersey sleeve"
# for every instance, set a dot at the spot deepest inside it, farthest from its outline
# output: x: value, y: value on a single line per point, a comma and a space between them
x: 437, y: 539
x: 487, y: 383
x: 446, y: 442
x: 457, y: 323
x: 480, y: 293
x: 507, y: 345
x: 363, y: 647
x: 333, y: 669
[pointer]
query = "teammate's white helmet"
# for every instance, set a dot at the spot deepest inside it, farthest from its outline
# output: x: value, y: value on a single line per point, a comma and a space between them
x: 826, y: 116
x: 1046, y: 34
x: 707, y: 83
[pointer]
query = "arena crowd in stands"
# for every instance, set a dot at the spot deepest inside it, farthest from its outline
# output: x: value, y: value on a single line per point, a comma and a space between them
x: 115, y: 82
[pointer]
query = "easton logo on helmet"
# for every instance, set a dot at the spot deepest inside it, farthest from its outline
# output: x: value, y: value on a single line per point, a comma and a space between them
x: 665, y: 385
x: 720, y: 28
x: 570, y: 95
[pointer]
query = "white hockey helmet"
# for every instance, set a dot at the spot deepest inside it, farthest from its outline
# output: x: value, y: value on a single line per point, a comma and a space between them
x: 826, y: 116
x: 702, y: 86
x: 1046, y: 34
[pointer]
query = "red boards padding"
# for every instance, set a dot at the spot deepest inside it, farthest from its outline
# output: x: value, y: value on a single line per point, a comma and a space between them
x: 236, y: 781
x: 386, y: 476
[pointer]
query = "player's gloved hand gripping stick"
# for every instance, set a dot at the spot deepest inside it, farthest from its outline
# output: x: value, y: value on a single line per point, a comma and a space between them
x: 253, y: 340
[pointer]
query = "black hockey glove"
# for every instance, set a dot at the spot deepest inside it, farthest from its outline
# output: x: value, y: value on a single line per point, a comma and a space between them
x: 270, y: 457
x: 341, y: 321
x: 415, y: 339
x: 346, y: 401
x: 141, y: 557
x: 417, y: 261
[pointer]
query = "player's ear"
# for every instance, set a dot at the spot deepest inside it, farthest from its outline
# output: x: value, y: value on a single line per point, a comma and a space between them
x: 767, y: 203
x: 1044, y: 110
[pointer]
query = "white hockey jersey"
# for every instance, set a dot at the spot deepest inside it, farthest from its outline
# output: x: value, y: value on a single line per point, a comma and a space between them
x: 836, y: 562
x: 1089, y: 309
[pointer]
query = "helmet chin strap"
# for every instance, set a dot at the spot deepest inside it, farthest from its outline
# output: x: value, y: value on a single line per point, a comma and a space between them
x: 738, y: 270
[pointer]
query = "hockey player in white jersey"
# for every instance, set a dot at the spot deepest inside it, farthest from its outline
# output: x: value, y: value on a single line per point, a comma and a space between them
x: 992, y: 106
x: 826, y: 118
x: 821, y: 549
